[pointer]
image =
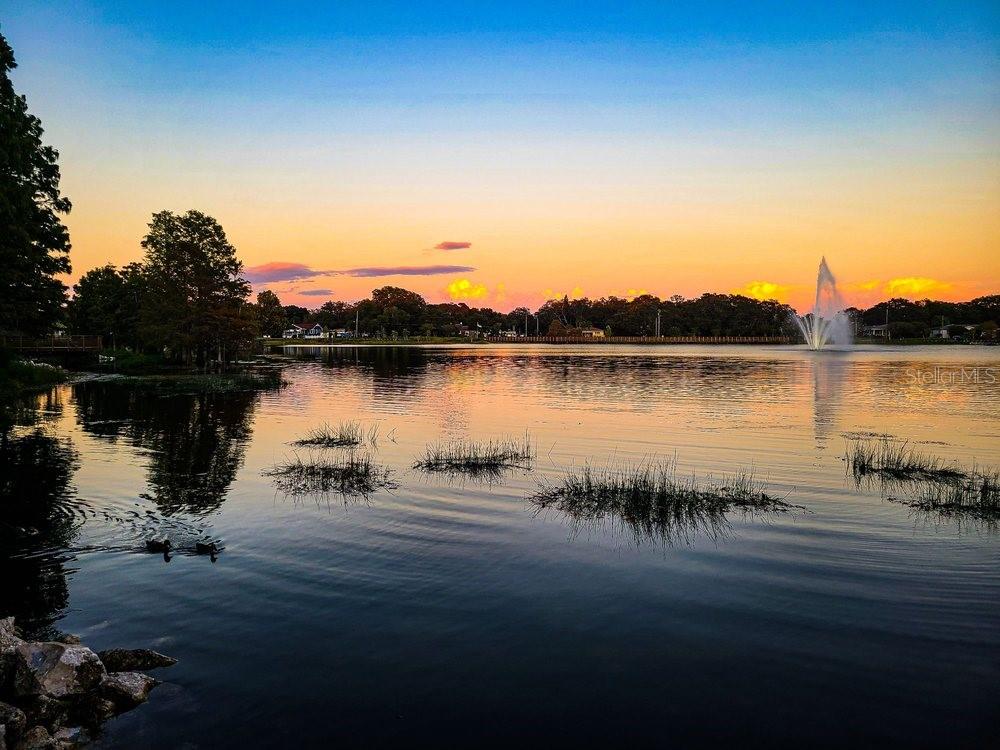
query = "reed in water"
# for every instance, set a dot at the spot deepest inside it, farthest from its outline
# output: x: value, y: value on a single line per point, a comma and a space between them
x: 478, y: 458
x: 652, y: 502
x: 347, y: 475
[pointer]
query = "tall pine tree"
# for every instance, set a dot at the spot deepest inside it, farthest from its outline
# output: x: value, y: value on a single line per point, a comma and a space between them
x: 34, y: 244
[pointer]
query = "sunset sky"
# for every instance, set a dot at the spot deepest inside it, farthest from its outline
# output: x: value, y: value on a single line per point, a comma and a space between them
x: 505, y: 152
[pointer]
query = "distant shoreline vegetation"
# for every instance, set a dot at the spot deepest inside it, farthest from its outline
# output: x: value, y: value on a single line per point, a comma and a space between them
x: 117, y: 302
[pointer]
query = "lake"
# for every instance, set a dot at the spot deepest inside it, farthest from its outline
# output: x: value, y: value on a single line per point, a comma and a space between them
x: 453, y: 607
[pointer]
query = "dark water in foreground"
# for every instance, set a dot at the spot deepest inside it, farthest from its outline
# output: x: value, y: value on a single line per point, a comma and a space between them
x: 451, y: 609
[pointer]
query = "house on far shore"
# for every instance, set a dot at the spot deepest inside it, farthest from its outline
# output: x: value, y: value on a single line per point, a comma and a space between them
x: 592, y: 333
x: 341, y: 333
x: 876, y: 332
x: 314, y: 331
x: 941, y: 332
x: 295, y: 332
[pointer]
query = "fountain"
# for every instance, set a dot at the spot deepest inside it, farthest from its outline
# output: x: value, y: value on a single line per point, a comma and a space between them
x: 826, y: 323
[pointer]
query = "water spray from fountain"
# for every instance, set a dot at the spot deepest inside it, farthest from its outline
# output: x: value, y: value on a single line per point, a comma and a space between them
x: 827, y: 323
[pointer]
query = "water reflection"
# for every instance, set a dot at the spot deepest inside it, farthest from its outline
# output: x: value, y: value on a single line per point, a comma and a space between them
x: 38, y: 521
x: 829, y: 374
x: 28, y: 409
x: 196, y: 442
x: 423, y: 585
x: 639, y: 529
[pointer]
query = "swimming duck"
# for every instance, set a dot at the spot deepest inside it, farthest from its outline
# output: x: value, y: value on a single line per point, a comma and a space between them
x: 157, y: 545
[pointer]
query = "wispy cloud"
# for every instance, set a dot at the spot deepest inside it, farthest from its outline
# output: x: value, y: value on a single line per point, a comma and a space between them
x: 449, y: 245
x: 268, y: 273
x: 405, y: 271
x: 316, y: 292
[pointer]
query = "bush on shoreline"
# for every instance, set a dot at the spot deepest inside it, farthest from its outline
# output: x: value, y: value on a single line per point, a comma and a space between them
x: 18, y: 374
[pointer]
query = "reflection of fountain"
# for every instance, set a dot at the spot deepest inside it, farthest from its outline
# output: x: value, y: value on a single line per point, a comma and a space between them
x: 826, y: 323
x: 829, y: 375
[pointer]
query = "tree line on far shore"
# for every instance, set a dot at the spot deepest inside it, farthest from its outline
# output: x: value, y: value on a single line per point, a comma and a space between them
x: 189, y: 298
x: 147, y: 306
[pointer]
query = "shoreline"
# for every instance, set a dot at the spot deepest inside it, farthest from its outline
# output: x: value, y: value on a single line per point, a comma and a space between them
x: 691, y: 341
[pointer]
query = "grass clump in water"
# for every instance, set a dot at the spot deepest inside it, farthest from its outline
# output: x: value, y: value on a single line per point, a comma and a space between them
x: 653, y: 503
x: 344, y: 435
x: 976, y: 495
x: 896, y: 460
x: 351, y: 475
x: 487, y: 458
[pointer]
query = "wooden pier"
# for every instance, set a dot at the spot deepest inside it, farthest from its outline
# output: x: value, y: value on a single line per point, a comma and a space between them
x: 33, y: 345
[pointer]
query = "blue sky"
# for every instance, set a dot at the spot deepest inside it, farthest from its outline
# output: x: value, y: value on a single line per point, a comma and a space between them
x: 360, y: 134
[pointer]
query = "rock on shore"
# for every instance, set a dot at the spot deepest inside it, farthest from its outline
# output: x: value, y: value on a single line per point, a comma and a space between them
x: 54, y: 694
x: 131, y: 660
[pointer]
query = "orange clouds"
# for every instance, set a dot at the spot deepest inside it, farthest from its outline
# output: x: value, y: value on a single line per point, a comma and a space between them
x: 860, y: 293
x: 461, y: 289
x: 915, y: 286
x: 764, y: 290
x: 575, y: 293
x: 631, y: 294
x: 864, y: 293
x: 867, y: 286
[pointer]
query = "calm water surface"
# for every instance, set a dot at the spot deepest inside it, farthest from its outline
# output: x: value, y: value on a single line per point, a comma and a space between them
x: 452, y: 608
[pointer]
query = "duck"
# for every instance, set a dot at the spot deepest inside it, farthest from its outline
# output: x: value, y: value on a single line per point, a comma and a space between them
x: 157, y: 545
x: 206, y: 548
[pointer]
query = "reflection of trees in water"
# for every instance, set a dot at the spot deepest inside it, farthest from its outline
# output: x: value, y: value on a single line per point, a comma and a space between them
x: 381, y: 361
x: 443, y: 382
x: 197, y: 441
x: 634, y: 383
x: 395, y: 372
x: 27, y: 409
x: 391, y: 374
x: 585, y: 377
x: 37, y: 522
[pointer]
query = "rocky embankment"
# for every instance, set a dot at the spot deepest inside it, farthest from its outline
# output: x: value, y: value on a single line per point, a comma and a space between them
x: 56, y: 695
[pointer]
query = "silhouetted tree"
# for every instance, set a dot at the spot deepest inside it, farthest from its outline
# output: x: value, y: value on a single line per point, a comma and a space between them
x: 195, y: 306
x: 295, y: 314
x: 34, y: 244
x: 96, y: 302
x: 270, y: 314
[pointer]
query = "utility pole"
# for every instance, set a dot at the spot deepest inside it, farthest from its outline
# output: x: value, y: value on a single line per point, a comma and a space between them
x: 658, y: 311
x: 357, y: 314
x: 526, y: 322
